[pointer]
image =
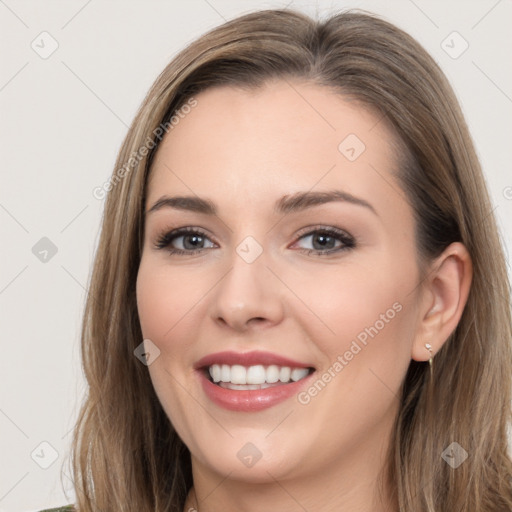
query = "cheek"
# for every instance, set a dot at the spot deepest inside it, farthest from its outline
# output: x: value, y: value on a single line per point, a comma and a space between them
x: 165, y: 305
x: 152, y: 295
x: 163, y: 300
x: 169, y: 304
x: 365, y: 357
x: 354, y: 302
x: 363, y: 326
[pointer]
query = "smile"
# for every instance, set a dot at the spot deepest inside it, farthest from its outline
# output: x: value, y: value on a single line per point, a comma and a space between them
x: 238, y: 377
x: 251, y: 381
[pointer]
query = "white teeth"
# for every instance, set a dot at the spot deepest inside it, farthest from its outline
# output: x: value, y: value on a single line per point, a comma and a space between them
x: 215, y: 372
x: 285, y: 373
x: 256, y: 374
x: 239, y: 375
x: 299, y: 373
x: 272, y: 374
x: 225, y: 373
x: 244, y: 387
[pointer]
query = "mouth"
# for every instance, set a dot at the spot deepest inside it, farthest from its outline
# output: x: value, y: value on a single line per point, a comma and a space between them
x: 251, y: 381
x: 244, y: 378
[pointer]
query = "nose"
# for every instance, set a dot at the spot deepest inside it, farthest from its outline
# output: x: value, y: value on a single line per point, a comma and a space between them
x: 248, y: 297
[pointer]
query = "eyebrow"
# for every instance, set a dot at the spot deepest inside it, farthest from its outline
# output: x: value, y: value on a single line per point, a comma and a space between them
x: 287, y: 204
x: 189, y: 203
x: 303, y: 200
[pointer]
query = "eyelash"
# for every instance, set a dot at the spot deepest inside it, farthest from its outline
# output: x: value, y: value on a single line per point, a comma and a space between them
x: 165, y: 239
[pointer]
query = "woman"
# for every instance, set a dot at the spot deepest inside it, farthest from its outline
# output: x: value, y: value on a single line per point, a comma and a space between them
x: 299, y: 300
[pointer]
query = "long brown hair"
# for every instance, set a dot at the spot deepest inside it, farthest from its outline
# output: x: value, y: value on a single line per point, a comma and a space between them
x: 126, y: 455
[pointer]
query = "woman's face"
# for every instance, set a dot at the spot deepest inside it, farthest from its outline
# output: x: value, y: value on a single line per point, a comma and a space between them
x: 299, y: 262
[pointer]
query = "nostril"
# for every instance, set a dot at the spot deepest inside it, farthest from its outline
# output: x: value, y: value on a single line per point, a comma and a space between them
x: 257, y: 320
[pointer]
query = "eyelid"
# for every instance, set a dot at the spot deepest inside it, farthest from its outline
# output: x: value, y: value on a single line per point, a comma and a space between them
x: 323, y: 227
x: 330, y: 230
x: 164, y: 239
x: 346, y: 240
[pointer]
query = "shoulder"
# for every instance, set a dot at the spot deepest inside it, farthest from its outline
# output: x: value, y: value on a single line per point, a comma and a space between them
x: 67, y: 508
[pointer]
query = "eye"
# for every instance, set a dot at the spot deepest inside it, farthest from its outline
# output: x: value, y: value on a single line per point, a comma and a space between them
x: 184, y: 241
x: 319, y: 241
x: 325, y: 240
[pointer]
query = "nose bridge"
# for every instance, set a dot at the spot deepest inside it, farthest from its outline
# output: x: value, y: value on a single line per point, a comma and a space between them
x: 248, y: 291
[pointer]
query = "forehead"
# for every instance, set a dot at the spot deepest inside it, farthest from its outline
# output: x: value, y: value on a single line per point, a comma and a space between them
x: 281, y: 138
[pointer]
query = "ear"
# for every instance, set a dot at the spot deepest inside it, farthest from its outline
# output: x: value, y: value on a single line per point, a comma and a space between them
x: 444, y: 294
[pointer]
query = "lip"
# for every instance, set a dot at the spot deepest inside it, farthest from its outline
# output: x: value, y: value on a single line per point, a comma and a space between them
x: 255, y: 399
x: 252, y: 400
x: 249, y: 359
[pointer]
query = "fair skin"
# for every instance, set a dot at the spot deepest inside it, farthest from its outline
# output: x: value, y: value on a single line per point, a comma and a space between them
x: 244, y: 151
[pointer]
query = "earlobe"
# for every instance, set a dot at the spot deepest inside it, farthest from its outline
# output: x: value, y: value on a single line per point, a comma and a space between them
x: 445, y: 293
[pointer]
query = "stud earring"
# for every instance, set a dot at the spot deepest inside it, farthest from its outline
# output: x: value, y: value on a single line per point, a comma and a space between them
x: 428, y: 346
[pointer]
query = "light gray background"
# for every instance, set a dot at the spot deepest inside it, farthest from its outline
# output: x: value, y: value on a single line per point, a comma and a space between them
x: 62, y: 121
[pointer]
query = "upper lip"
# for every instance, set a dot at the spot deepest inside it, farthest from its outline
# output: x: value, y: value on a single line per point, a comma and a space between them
x: 253, y: 358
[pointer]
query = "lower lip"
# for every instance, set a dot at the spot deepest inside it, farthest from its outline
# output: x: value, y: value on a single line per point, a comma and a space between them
x: 250, y: 400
